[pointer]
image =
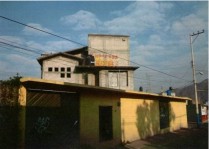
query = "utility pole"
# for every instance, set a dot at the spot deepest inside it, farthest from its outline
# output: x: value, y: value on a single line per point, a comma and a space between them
x: 194, y: 75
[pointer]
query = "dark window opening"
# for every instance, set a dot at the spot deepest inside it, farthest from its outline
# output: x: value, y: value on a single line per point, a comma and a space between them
x: 164, y: 114
x: 62, y: 69
x: 68, y: 75
x: 56, y: 69
x: 50, y: 69
x: 96, y: 79
x: 85, y: 77
x: 126, y: 76
x: 62, y: 75
x: 68, y: 69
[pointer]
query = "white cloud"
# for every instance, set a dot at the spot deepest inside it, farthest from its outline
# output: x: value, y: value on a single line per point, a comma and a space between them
x: 20, y: 59
x: 155, y: 39
x: 188, y: 24
x: 138, y: 17
x: 31, y: 31
x: 159, y: 38
x: 81, y: 20
x: 24, y: 65
x: 54, y: 46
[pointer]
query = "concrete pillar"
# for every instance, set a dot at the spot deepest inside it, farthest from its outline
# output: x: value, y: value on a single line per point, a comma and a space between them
x: 21, y: 117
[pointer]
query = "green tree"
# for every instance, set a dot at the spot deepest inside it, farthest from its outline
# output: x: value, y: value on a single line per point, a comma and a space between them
x: 9, y: 91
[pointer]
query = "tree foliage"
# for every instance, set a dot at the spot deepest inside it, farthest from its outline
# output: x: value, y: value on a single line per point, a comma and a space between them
x: 9, y: 91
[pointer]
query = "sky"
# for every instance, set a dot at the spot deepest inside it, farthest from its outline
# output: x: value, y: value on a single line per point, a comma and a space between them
x: 159, y: 36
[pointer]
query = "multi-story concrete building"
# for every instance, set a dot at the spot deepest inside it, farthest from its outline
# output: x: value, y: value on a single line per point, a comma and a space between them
x: 105, y: 63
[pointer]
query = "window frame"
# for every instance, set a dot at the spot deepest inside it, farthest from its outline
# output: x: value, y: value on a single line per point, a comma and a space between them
x: 62, y: 69
x: 56, y: 69
x: 68, y: 69
x: 62, y: 75
x: 68, y: 75
x: 118, y: 78
x: 50, y: 69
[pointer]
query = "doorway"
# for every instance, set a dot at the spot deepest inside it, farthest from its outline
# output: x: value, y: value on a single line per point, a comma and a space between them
x: 105, y: 123
x: 164, y: 114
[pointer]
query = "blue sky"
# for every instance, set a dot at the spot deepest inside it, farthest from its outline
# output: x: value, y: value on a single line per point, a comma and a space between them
x: 159, y: 35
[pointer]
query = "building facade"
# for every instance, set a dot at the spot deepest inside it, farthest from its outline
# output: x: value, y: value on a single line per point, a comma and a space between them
x: 105, y: 63
x: 97, y: 116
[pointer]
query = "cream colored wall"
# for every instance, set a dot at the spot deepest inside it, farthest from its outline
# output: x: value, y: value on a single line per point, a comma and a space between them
x: 178, y: 115
x: 59, y: 62
x: 91, y: 79
x: 89, y: 116
x: 139, y: 118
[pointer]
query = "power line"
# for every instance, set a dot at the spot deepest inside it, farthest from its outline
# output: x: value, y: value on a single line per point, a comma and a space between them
x: 41, y: 30
x: 104, y: 74
x: 4, y: 46
x: 10, y: 45
x: 58, y: 36
x: 20, y: 44
x: 19, y: 47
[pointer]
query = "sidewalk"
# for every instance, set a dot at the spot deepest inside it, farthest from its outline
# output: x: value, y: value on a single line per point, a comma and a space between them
x: 191, y: 138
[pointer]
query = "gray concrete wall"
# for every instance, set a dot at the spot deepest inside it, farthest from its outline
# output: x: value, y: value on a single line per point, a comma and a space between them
x: 115, y: 49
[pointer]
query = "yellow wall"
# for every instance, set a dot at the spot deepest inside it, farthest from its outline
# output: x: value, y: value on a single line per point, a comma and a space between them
x: 178, y: 115
x: 22, y: 96
x: 139, y: 118
x: 135, y: 117
x: 89, y: 116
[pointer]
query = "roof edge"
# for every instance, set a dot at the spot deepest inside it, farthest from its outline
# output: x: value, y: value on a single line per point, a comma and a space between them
x: 30, y: 79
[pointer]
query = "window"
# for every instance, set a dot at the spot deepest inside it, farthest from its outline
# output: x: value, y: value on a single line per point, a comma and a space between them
x: 68, y: 69
x: 118, y: 78
x: 68, y: 75
x: 113, y: 79
x: 123, y: 76
x: 164, y: 114
x: 50, y: 69
x: 62, y: 75
x: 62, y: 69
x: 56, y: 69
x: 64, y: 72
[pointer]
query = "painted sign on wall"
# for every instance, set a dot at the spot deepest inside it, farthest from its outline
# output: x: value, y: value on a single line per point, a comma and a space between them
x: 106, y: 60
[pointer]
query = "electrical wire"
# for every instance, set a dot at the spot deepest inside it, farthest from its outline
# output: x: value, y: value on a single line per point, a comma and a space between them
x: 58, y: 62
x: 105, y: 74
x: 58, y: 36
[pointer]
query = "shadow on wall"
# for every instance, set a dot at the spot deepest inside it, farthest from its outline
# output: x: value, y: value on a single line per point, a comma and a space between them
x: 148, y: 118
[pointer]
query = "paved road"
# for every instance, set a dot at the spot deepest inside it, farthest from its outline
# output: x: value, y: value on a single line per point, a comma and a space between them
x: 192, y: 138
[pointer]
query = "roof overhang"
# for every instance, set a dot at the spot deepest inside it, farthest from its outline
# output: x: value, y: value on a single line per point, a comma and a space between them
x: 99, y: 68
x: 58, y: 86
x: 42, y: 58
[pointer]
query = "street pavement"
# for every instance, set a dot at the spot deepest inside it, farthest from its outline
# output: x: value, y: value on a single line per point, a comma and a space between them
x: 185, y: 138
